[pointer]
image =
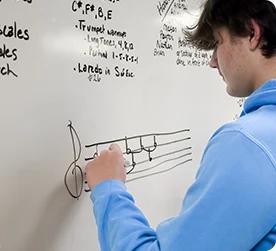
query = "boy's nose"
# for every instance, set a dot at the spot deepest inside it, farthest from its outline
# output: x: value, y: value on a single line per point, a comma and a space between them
x: 213, y: 62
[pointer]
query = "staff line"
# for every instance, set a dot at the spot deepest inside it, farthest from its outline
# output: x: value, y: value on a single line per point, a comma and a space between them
x: 163, y: 171
x: 135, y: 137
x: 163, y: 162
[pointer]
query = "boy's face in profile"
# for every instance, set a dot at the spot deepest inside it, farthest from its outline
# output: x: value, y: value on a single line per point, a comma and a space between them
x: 232, y: 56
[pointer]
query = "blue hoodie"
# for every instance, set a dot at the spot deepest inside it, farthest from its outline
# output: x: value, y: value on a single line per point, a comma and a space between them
x: 230, y: 207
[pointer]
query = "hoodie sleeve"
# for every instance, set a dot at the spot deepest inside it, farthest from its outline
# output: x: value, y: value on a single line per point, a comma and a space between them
x: 230, y: 206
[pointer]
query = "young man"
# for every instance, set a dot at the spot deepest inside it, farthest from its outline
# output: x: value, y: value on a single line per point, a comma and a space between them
x: 232, y: 204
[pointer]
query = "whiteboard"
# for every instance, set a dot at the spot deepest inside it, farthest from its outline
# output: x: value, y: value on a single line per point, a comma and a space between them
x: 117, y: 70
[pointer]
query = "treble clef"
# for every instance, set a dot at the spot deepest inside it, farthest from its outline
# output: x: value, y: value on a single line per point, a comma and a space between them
x: 75, y: 168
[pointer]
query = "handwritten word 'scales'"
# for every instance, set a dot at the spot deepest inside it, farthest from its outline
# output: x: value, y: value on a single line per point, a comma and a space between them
x: 12, y: 31
x: 6, y: 52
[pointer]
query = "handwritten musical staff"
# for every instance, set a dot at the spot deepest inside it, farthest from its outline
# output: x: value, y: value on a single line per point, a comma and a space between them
x: 140, y: 153
x: 170, y: 149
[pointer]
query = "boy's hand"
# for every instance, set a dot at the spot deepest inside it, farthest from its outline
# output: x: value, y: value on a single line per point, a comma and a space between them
x: 108, y: 165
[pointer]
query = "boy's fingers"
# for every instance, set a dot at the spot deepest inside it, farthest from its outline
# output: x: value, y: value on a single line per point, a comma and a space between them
x: 115, y: 147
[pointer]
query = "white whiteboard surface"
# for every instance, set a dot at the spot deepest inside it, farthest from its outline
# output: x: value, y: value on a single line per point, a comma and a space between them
x: 45, y: 89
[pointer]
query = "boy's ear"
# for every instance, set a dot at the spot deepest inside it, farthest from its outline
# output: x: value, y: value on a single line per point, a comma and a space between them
x: 255, y: 35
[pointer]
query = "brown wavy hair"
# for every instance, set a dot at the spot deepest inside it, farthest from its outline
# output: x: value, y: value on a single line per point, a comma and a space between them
x: 236, y: 15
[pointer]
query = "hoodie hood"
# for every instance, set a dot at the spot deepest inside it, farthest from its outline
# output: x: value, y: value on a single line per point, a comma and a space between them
x: 265, y: 95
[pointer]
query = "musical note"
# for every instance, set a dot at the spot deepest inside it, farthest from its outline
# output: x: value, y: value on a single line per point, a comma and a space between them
x: 74, y: 169
x: 149, y: 149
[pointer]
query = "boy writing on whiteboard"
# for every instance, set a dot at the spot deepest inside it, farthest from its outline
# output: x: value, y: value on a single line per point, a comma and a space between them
x: 232, y: 203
